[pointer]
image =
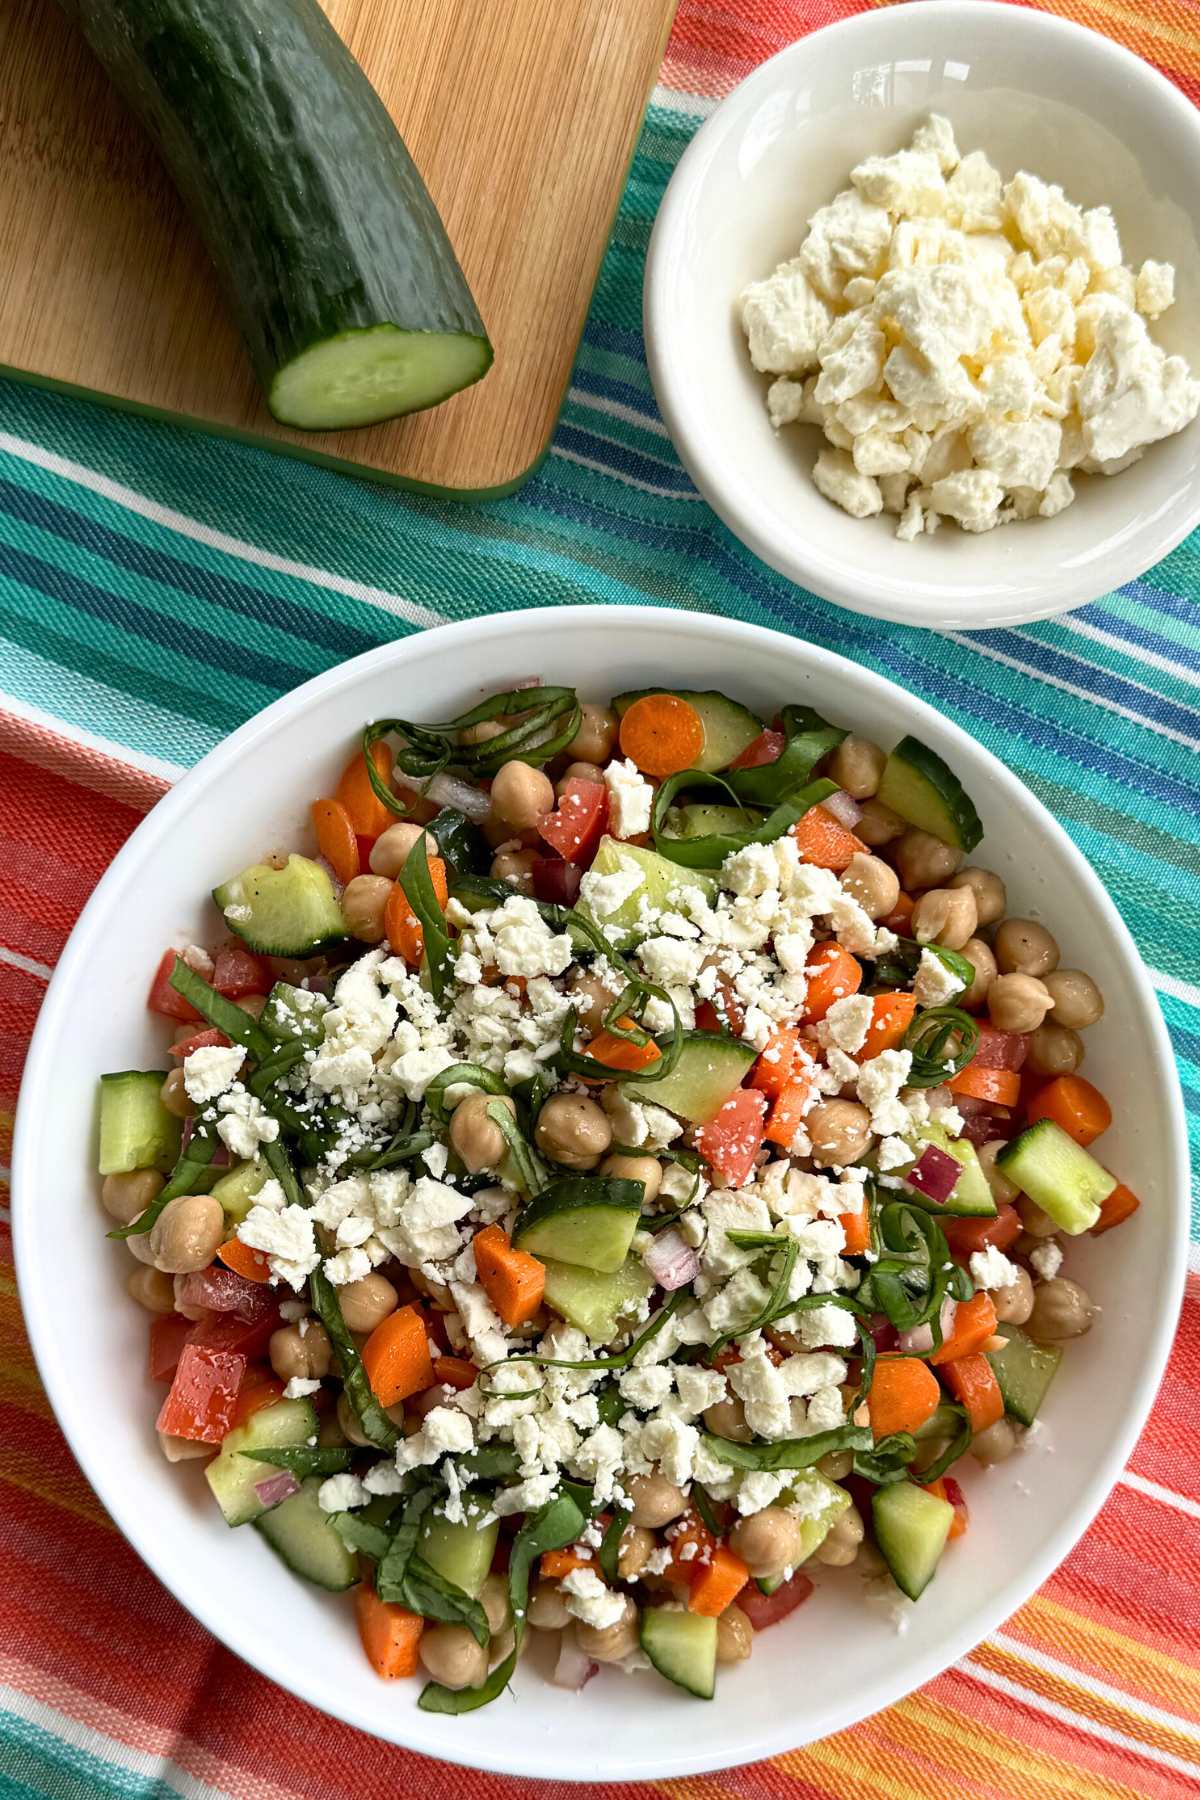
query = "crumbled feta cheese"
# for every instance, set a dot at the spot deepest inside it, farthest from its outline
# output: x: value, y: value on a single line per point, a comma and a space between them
x: 630, y: 799
x: 340, y: 1493
x: 847, y: 1022
x: 990, y: 1268
x: 879, y: 1085
x: 300, y: 1387
x: 209, y: 1070
x: 822, y: 1326
x: 588, y: 1599
x: 1047, y: 1259
x: 935, y: 982
x: 246, y: 1123
x: 606, y: 894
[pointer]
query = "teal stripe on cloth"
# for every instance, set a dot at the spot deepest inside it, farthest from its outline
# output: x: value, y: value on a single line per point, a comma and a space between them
x: 37, y: 1762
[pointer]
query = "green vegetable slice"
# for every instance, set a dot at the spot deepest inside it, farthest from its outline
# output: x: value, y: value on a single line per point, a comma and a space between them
x: 927, y: 793
x: 418, y: 886
x: 790, y: 1453
x: 710, y: 852
x: 808, y: 737
x: 304, y: 1459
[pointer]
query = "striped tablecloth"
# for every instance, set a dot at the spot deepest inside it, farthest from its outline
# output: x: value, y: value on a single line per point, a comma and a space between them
x: 158, y: 587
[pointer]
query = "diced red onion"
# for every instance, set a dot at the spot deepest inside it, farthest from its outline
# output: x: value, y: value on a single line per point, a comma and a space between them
x: 525, y: 681
x: 934, y: 1174
x: 984, y: 1128
x: 222, y: 1290
x: 451, y: 790
x: 573, y: 1669
x: 274, y: 1488
x: 555, y: 881
x: 221, y: 1157
x: 671, y: 1261
x: 916, y: 1341
x: 844, y: 807
x: 883, y: 1332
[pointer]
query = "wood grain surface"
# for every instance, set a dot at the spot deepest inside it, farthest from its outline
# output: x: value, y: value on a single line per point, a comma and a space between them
x: 521, y: 115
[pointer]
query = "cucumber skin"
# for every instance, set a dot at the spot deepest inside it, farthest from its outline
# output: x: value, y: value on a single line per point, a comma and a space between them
x: 1036, y: 1162
x: 911, y: 759
x: 308, y: 201
x: 670, y: 1657
x: 894, y: 1511
x: 149, y: 1140
x: 279, y: 1528
x: 1024, y: 1371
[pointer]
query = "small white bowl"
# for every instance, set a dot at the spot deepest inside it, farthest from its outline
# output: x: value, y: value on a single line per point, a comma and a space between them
x: 838, y: 1658
x: 1035, y: 93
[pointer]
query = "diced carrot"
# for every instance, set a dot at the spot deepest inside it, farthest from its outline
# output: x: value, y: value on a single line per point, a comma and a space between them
x: 774, y: 1068
x: 1080, y: 1109
x: 891, y: 1016
x: 396, y: 1357
x: 691, y: 1544
x: 454, y: 1372
x: 1001, y: 1086
x: 1120, y: 1205
x: 903, y: 1394
x: 390, y: 1634
x: 554, y: 1564
x: 972, y: 1382
x: 833, y: 974
x: 974, y: 1323
x: 788, y: 1111
x: 719, y: 1583
x: 243, y: 1260
x: 857, y: 1227
x: 825, y: 841
x: 367, y: 813
x: 258, y: 1391
x: 619, y: 1053
x: 336, y: 838
x: 662, y: 734
x: 400, y: 922
x: 946, y: 1488
x: 900, y: 918
x: 513, y: 1280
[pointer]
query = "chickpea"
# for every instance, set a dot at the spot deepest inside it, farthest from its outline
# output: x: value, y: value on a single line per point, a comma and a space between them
x: 483, y: 733
x: 1061, y: 1309
x: 452, y: 1656
x: 610, y: 1643
x: 945, y: 916
x: 515, y: 867
x: 996, y: 1444
x: 656, y: 1501
x: 125, y: 1197
x: 735, y: 1635
x: 924, y: 861
x: 364, y: 901
x: 330, y: 1435
x: 391, y: 848
x: 1017, y: 1002
x: 521, y: 794
x: 573, y: 1131
x: 577, y: 771
x: 1014, y: 1303
x: 596, y: 738
x: 178, y: 1449
x: 646, y: 1169
x: 857, y: 765
x: 475, y: 1138
x: 591, y: 1000
x: 352, y: 1431
x: 839, y: 1547
x: 366, y: 1303
x: 186, y: 1233
x: 634, y: 1551
x: 547, y: 1610
x: 174, y: 1095
x: 493, y: 1597
x: 1037, y: 1223
x: 153, y: 1289
x: 1054, y: 1049
x: 768, y: 1542
x: 980, y: 957
x: 875, y: 885
x: 306, y: 1355
x: 138, y: 1245
x: 1023, y: 947
x: 839, y: 1131
x: 1078, y: 1002
x: 991, y: 897
x: 837, y: 1464
x: 727, y: 1419
x: 1004, y: 1192
x: 878, y: 824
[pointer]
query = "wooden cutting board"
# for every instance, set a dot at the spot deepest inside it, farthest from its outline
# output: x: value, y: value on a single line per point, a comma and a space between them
x: 522, y: 116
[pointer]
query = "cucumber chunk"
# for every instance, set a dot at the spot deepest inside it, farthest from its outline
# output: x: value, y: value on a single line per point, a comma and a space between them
x: 711, y: 821
x: 237, y: 1190
x: 728, y: 727
x: 294, y: 1012
x: 710, y: 1068
x: 919, y: 786
x: 970, y: 1197
x: 231, y: 1474
x: 461, y: 1554
x: 661, y: 884
x: 588, y: 1223
x: 136, y: 1130
x: 596, y: 1303
x: 282, y: 912
x: 303, y: 1537
x: 683, y: 1647
x: 1058, y: 1174
x: 1024, y: 1371
x: 360, y: 377
x: 911, y: 1528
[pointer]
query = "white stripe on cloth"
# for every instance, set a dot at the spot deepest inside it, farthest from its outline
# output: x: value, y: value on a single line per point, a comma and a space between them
x: 1141, y: 1709
x: 15, y: 960
x: 1165, y: 1496
x: 88, y: 740
x: 675, y: 100
x: 1106, y: 1734
x: 1178, y: 990
x: 615, y: 409
x: 1151, y: 658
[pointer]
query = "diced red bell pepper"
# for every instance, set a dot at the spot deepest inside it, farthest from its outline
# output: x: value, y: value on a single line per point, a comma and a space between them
x: 199, y: 1040
x: 241, y: 1337
x: 965, y: 1236
x: 580, y: 821
x: 732, y: 1139
x: 237, y: 971
x: 162, y: 997
x: 1000, y: 1049
x: 365, y: 847
x: 767, y: 747
x: 203, y: 1395
x: 222, y: 1290
x: 767, y: 1609
x: 167, y: 1337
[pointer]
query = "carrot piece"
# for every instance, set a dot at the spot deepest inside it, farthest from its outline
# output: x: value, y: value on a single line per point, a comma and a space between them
x: 776, y: 1063
x: 833, y: 974
x: 662, y: 734
x: 390, y: 1633
x: 948, y: 1489
x: 257, y: 1392
x: 618, y: 1053
x: 719, y: 1583
x: 825, y: 841
x: 900, y: 917
x: 891, y: 1016
x: 1001, y: 1086
x: 368, y: 815
x: 554, y: 1564
x: 396, y: 1357
x: 400, y: 923
x: 239, y: 1257
x: 787, y: 1112
x: 1080, y: 1109
x: 903, y: 1394
x: 336, y: 838
x: 513, y: 1280
x: 973, y: 1383
x: 857, y: 1227
x: 1120, y: 1205
x: 974, y: 1323
x: 454, y: 1372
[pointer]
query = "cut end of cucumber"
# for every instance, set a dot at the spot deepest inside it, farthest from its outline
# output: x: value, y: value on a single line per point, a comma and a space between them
x: 587, y: 1223
x: 291, y: 911
x: 683, y: 1647
x: 1058, y: 1175
x: 911, y: 1528
x: 379, y: 372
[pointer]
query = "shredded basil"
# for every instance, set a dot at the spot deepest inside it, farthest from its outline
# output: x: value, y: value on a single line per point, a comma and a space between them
x: 405, y: 1578
x: 221, y: 1013
x: 958, y: 1446
x: 360, y: 1534
x: 401, y: 1148
x: 776, y: 1306
x: 896, y: 968
x: 460, y: 1075
x: 528, y: 1166
x: 374, y: 1421
x: 610, y: 1544
x: 941, y: 1040
x: 622, y: 1359
x: 192, y: 1174
x: 755, y: 1240
x: 808, y: 737
x: 418, y: 887
x: 710, y: 852
x: 789, y: 1453
x: 886, y: 1461
x: 914, y: 1272
x: 549, y: 717
x: 702, y: 1501
x: 302, y: 1460
x: 491, y: 1462
x: 460, y: 844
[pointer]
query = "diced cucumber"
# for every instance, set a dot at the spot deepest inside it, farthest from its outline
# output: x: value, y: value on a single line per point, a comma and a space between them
x: 588, y: 1222
x: 1058, y: 1175
x: 911, y: 1528
x: 232, y: 1474
x: 971, y: 1197
x: 935, y: 1436
x: 236, y: 1190
x: 683, y: 1647
x: 822, y: 1503
x: 595, y: 1303
x: 136, y: 1130
x: 662, y: 882
x: 1024, y: 1371
x: 919, y: 786
x: 710, y: 1068
x: 282, y: 912
x: 461, y: 1554
x: 728, y: 727
x: 294, y: 1012
x: 711, y: 821
x: 304, y: 1538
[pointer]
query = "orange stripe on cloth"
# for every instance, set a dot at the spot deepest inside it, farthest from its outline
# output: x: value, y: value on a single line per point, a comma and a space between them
x: 80, y: 764
x: 1095, y: 1648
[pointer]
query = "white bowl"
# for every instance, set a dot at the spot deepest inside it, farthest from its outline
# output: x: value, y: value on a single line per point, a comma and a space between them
x: 837, y: 1659
x: 1035, y: 93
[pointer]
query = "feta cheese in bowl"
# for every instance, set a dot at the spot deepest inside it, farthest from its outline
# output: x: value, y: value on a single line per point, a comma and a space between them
x: 909, y: 267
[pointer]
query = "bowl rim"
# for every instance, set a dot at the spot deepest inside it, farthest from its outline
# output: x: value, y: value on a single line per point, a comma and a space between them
x: 1004, y: 601
x: 519, y: 1756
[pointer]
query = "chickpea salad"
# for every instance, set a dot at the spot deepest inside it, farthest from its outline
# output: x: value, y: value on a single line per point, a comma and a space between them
x: 618, y: 1167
